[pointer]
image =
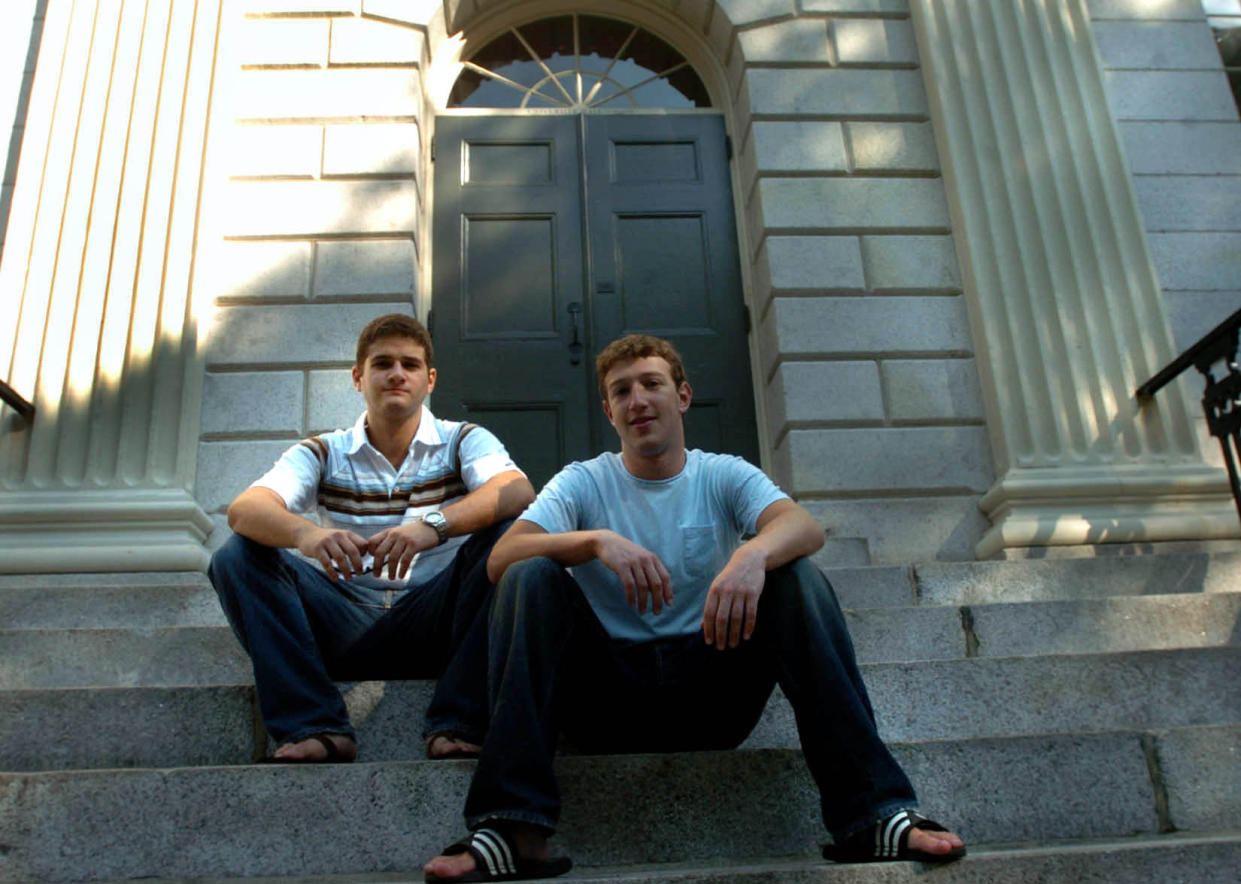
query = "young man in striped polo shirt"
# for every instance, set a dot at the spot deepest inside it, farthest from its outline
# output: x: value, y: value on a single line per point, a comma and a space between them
x: 392, y: 574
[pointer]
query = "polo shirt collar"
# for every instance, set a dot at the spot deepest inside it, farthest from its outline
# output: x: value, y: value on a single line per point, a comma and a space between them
x: 428, y: 432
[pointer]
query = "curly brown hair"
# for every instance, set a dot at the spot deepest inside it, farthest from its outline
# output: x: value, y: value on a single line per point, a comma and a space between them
x: 394, y: 325
x: 632, y: 347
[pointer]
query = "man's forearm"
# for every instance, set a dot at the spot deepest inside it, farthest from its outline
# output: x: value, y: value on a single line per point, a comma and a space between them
x: 260, y: 514
x: 501, y: 497
x: 789, y: 534
x: 570, y: 548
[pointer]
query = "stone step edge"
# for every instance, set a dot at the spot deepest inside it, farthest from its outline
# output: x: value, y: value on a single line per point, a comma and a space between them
x: 908, y: 573
x: 1226, y: 650
x: 761, y: 866
x: 869, y: 610
x: 978, y: 853
x: 569, y: 752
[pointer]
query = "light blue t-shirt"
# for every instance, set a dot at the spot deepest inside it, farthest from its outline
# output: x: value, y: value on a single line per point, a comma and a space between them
x: 693, y: 522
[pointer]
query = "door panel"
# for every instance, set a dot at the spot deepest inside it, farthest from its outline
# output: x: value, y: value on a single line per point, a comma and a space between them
x: 508, y: 263
x: 664, y: 261
x: 497, y: 251
x: 655, y: 252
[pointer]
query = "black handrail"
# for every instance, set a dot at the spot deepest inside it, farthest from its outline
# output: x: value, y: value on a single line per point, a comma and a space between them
x: 14, y: 399
x: 1222, y: 398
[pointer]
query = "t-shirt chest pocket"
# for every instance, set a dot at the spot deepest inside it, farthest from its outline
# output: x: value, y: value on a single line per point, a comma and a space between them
x: 697, y: 547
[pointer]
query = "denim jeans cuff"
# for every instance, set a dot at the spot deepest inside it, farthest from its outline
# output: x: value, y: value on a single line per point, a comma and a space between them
x: 460, y: 732
x: 514, y: 816
x: 883, y: 811
x: 307, y: 732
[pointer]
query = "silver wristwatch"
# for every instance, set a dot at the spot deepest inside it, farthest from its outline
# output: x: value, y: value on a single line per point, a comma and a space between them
x: 437, y: 521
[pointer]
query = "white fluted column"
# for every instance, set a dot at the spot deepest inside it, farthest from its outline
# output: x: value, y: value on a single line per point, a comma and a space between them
x: 1063, y: 298
x: 95, y: 281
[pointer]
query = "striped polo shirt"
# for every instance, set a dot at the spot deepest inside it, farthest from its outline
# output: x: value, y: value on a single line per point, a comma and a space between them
x: 344, y: 479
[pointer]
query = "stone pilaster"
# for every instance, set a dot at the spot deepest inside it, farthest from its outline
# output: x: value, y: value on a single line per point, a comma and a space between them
x: 1063, y: 299
x: 97, y: 279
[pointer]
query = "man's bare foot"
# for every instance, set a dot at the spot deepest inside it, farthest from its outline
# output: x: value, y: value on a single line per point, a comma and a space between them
x: 445, y: 746
x: 937, y: 843
x: 531, y: 843
x: 312, y: 750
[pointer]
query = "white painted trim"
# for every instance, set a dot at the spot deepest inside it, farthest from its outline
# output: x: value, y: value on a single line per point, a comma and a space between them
x: 1060, y: 287
x: 111, y: 530
x: 664, y: 23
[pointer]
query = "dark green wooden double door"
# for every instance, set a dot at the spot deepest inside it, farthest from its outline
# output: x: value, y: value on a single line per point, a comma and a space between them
x: 557, y: 234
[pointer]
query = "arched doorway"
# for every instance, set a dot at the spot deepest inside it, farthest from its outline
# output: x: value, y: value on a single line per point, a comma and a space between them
x: 581, y: 193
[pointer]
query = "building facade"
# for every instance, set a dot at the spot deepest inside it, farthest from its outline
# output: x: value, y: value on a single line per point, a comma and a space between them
x: 964, y: 234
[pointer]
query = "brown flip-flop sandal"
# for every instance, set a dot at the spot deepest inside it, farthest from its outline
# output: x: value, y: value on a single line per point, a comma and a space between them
x: 455, y: 753
x: 334, y: 754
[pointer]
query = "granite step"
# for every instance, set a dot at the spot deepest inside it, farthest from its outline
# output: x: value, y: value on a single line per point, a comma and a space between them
x: 168, y: 655
x: 142, y: 606
x: 1173, y: 857
x: 186, y: 598
x: 973, y: 583
x: 618, y: 810
x: 129, y: 657
x: 950, y: 700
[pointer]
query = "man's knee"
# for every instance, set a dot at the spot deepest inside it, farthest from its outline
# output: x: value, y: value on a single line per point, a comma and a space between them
x: 238, y: 549
x: 799, y: 585
x: 532, y: 583
x: 237, y: 557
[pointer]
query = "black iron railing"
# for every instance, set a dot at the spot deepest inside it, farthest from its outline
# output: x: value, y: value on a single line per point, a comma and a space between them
x: 14, y: 399
x: 1222, y: 399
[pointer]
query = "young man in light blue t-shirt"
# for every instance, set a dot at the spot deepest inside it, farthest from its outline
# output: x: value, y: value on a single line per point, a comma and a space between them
x: 667, y: 632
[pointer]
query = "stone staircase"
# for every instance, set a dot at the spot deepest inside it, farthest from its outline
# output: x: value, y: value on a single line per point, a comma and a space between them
x: 1074, y: 719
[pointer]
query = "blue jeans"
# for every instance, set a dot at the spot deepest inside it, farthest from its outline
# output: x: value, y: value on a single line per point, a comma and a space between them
x: 553, y: 668
x: 304, y: 633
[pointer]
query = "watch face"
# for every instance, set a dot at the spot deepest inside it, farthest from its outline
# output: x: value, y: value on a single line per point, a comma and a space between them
x: 439, y: 523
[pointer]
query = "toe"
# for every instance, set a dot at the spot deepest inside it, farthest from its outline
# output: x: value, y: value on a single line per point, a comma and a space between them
x: 450, y: 866
x: 934, y: 842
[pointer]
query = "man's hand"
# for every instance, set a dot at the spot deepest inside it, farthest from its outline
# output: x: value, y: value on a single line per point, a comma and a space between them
x: 640, y: 570
x: 731, y: 610
x: 337, y: 550
x: 398, y: 545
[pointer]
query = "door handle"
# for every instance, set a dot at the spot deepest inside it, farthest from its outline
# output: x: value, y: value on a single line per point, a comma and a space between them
x: 575, y: 345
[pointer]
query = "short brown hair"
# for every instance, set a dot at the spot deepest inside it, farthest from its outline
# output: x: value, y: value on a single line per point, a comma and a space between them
x: 632, y: 347
x: 394, y: 325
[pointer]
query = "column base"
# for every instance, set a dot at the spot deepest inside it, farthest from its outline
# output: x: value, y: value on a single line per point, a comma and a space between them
x: 1088, y: 506
x: 109, y: 530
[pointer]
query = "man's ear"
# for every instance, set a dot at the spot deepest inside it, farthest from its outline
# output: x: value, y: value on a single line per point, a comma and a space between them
x: 357, y: 378
x: 685, y: 395
x: 607, y: 410
x: 430, y: 379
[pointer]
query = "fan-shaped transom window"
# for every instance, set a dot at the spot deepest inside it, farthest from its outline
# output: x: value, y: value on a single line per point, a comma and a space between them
x: 574, y: 62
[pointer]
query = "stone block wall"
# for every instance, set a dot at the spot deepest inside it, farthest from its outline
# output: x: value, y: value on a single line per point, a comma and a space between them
x: 321, y: 142
x: 873, y: 404
x: 874, y: 416
x: 1182, y: 135
x: 874, y: 413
